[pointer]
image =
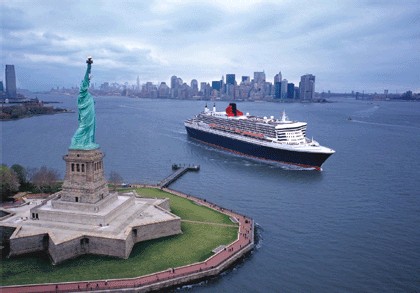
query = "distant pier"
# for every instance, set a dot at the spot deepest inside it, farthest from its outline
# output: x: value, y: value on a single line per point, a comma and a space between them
x: 180, y: 169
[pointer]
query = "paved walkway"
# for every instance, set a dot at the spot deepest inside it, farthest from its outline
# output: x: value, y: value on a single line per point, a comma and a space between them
x: 210, y: 223
x: 212, y: 266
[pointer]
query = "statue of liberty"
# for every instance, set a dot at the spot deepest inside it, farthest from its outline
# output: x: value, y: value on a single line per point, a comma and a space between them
x: 84, y: 137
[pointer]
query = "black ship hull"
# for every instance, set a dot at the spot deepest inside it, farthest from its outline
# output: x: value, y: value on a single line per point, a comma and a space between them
x: 303, y: 159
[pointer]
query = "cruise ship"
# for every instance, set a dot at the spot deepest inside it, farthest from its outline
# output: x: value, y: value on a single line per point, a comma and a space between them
x: 266, y: 138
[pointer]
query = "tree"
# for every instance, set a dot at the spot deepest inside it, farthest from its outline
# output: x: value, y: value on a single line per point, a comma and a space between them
x: 115, y: 179
x: 22, y: 175
x: 9, y: 182
x: 45, y: 179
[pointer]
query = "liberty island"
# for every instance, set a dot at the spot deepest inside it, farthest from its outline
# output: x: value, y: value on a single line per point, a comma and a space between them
x: 86, y: 218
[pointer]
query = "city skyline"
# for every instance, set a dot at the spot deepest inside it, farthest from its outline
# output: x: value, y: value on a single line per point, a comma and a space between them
x: 360, y: 46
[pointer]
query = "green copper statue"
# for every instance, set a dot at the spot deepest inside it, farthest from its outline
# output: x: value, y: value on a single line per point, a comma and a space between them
x: 84, y: 137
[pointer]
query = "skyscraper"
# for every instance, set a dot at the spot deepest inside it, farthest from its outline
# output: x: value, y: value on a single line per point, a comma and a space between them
x: 10, y: 82
x: 277, y: 77
x: 277, y: 90
x: 284, y: 88
x: 174, y: 86
x: 163, y: 90
x: 307, y: 87
x: 230, y: 85
x: 291, y: 90
x: 259, y: 77
x: 216, y: 84
x: 194, y: 87
x: 230, y: 79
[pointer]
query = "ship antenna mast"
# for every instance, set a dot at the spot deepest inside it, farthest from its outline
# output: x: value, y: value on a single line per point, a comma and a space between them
x: 283, y: 116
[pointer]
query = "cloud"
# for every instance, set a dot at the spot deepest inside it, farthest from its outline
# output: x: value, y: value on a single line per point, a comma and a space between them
x: 346, y: 44
x: 12, y: 19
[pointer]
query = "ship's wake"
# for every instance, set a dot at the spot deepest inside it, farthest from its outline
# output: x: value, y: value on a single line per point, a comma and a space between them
x: 384, y: 124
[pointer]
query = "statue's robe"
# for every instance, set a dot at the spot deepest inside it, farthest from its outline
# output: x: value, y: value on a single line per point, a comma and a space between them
x: 84, y: 137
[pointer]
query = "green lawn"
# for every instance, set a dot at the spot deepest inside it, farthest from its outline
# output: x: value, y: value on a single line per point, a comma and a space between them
x: 193, y: 245
x: 185, y: 208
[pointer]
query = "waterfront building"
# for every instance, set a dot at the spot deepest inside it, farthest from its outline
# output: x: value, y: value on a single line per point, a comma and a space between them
x: 230, y: 90
x: 267, y: 88
x: 174, y: 79
x: 291, y: 90
x: 138, y: 84
x: 277, y: 77
x: 230, y: 79
x: 184, y: 91
x: 246, y: 79
x: 297, y: 94
x: 230, y: 86
x: 163, y: 90
x: 307, y: 87
x: 203, y: 86
x: 194, y: 87
x: 149, y: 90
x: 259, y: 77
x: 1, y: 87
x: 174, y: 86
x: 216, y: 85
x: 244, y: 90
x: 284, y: 88
x: 11, y: 82
x: 104, y: 86
x: 277, y: 90
x: 204, y: 89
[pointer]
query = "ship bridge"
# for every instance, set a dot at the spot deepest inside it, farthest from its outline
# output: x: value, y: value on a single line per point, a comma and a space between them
x: 291, y: 133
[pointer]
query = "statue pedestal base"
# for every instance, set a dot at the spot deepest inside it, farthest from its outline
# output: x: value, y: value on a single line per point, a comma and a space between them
x: 84, y: 181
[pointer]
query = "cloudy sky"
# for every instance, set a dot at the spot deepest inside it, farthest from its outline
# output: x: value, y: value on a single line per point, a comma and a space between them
x: 347, y: 44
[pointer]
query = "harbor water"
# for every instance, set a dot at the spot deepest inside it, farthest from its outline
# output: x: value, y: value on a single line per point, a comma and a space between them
x: 354, y: 227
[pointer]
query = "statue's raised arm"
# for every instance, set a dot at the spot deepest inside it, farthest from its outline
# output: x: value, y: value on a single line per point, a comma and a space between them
x: 84, y: 137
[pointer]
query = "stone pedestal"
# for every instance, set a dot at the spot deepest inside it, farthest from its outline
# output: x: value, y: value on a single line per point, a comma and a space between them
x: 84, y: 181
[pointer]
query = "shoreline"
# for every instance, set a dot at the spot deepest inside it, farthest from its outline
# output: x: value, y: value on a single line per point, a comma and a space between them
x: 212, y: 266
x: 25, y: 108
x: 36, y: 115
